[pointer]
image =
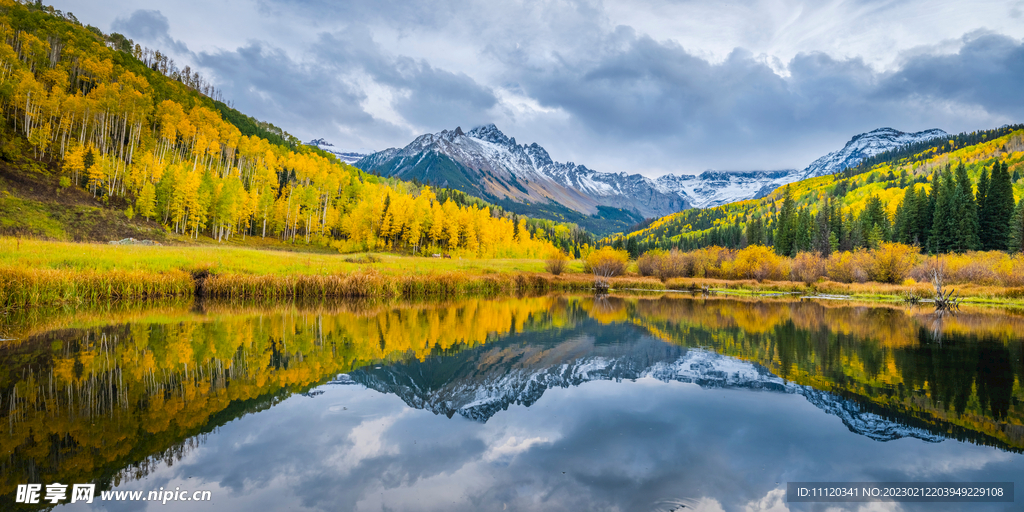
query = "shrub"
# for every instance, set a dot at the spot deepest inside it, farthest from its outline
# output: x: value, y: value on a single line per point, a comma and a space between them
x: 808, y: 267
x: 757, y: 262
x: 650, y: 262
x: 556, y: 262
x: 892, y: 262
x: 848, y: 267
x: 674, y: 264
x: 607, y: 262
x: 707, y: 262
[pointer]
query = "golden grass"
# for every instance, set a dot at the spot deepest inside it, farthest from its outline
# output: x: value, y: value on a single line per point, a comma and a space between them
x: 34, y: 273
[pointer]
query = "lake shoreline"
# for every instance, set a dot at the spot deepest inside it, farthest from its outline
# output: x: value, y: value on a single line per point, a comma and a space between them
x: 43, y: 273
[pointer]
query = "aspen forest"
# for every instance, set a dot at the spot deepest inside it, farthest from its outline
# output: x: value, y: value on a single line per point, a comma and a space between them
x: 150, y: 140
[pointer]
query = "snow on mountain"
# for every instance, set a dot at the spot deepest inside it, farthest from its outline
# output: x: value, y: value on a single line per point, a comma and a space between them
x: 715, y: 188
x: 345, y: 156
x: 486, y: 162
x: 864, y: 146
x: 479, y: 397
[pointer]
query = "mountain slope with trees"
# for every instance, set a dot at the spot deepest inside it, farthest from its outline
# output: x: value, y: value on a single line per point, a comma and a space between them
x: 120, y: 127
x: 942, y: 195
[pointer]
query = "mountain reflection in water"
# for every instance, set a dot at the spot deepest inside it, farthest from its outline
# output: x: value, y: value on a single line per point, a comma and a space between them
x: 143, y: 399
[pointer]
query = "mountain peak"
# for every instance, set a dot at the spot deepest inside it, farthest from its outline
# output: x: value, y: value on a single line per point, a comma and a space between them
x: 490, y: 133
x: 866, y: 145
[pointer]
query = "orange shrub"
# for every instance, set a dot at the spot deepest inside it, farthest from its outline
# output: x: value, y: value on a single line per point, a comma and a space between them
x: 808, y: 267
x: 649, y: 263
x: 607, y: 262
x: 758, y: 262
x: 674, y: 264
x: 707, y: 262
x: 848, y: 267
x: 982, y: 268
x: 892, y: 262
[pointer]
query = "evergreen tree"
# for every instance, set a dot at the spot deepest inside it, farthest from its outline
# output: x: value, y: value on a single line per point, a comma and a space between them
x: 923, y: 223
x: 905, y: 222
x: 984, y: 213
x: 965, y: 208
x: 1000, y: 208
x: 632, y: 247
x: 874, y: 215
x: 928, y: 219
x: 803, y: 232
x: 822, y: 230
x: 785, y: 237
x: 1016, y: 176
x: 875, y: 237
x: 944, y: 220
x: 1017, y: 229
x: 855, y: 234
x: 755, y: 231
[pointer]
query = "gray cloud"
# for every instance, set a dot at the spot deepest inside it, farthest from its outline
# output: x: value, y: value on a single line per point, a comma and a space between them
x: 267, y: 83
x: 664, y: 94
x: 634, y: 89
x: 149, y: 27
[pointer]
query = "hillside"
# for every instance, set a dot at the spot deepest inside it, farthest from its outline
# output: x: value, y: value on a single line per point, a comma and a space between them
x: 99, y: 133
x: 849, y: 205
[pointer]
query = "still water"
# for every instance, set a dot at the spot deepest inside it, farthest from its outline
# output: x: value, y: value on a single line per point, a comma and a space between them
x: 535, y: 403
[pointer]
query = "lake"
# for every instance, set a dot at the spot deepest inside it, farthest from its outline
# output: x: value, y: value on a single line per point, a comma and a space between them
x: 558, y: 402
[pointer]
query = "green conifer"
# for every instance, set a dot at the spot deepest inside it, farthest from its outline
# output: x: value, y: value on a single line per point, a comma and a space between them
x: 943, y: 221
x: 1017, y: 229
x: 925, y: 210
x: 965, y: 222
x: 1000, y: 207
x: 984, y: 213
x: 784, y: 233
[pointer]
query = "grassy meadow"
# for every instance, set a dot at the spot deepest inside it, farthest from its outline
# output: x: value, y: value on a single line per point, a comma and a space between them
x: 36, y: 272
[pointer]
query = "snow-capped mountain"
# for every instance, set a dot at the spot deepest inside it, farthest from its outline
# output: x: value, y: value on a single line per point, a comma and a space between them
x: 479, y: 395
x: 715, y: 188
x: 348, y: 157
x: 864, y: 146
x: 486, y: 163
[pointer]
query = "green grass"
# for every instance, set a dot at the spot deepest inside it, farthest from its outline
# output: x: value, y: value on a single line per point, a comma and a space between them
x: 16, y: 253
x: 35, y: 272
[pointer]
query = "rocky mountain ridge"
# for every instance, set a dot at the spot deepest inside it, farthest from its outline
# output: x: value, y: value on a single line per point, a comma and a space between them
x: 487, y: 163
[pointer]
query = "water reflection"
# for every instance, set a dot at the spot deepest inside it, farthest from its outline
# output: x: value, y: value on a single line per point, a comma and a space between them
x: 142, y: 398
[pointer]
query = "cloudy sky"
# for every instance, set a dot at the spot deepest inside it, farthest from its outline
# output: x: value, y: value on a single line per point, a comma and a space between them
x: 650, y: 86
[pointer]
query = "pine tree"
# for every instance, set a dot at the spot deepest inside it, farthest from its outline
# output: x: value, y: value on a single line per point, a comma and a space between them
x: 875, y: 238
x: 803, y: 232
x: 943, y: 221
x: 874, y: 214
x: 965, y: 208
x: 1000, y: 209
x: 784, y: 233
x: 984, y: 211
x: 927, y: 220
x: 905, y: 223
x: 822, y: 230
x: 1017, y: 229
x: 755, y: 231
